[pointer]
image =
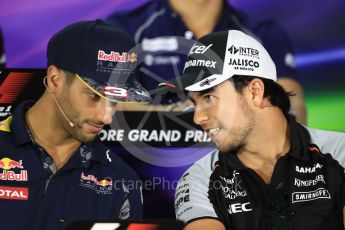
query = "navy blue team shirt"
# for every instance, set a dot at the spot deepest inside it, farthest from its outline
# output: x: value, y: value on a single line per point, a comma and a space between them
x: 93, y: 184
x: 155, y: 26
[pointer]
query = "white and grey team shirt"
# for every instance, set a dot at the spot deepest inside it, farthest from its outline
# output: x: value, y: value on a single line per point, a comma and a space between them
x: 192, y: 200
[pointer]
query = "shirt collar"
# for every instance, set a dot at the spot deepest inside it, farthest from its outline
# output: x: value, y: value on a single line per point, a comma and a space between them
x: 94, y: 150
x: 299, y: 140
x: 18, y: 124
x: 299, y: 148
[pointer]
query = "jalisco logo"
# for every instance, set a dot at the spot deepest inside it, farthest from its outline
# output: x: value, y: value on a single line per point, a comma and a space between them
x: 244, y: 63
x: 116, y: 57
x: 244, y: 51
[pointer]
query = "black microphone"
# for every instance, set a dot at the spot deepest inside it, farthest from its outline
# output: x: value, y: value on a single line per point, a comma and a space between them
x: 57, y: 103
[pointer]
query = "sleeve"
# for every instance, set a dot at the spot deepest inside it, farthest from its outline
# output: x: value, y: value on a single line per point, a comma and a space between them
x: 132, y: 207
x: 191, y: 197
x: 330, y: 142
x: 277, y: 42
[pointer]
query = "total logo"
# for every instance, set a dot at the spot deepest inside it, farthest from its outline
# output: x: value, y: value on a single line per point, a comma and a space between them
x: 116, y: 56
x: 7, y: 163
x: 14, y: 193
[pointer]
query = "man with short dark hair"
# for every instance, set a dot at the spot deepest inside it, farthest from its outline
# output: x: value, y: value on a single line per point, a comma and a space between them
x: 268, y: 172
x: 54, y: 169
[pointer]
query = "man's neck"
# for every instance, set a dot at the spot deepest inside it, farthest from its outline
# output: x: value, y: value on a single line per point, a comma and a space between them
x: 200, y: 16
x: 269, y: 142
x: 46, y: 131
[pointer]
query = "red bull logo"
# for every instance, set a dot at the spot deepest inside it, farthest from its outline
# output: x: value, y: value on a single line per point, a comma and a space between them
x: 7, y: 163
x: 105, y: 182
x: 113, y: 56
x: 12, y: 176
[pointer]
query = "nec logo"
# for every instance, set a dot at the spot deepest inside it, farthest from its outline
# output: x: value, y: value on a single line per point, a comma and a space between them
x: 196, y: 49
x: 12, y: 86
x: 238, y: 207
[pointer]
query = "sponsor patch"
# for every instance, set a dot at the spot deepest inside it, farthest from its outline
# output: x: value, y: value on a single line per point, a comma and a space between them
x: 207, y: 82
x: 200, y: 62
x: 239, y: 207
x: 199, y: 49
x: 232, y: 188
x: 104, y: 186
x: 116, y: 57
x: 244, y: 64
x: 7, y: 163
x: 320, y: 193
x: 12, y: 176
x: 244, y: 51
x: 307, y: 183
x: 312, y: 169
x: 14, y: 193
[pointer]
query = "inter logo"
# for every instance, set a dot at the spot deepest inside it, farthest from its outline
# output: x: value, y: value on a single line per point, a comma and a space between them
x: 233, y: 49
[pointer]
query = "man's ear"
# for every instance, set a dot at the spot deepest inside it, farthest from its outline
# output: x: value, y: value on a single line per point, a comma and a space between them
x: 255, y: 90
x: 55, y: 78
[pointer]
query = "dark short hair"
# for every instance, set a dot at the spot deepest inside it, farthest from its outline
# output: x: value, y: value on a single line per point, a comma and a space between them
x: 273, y: 91
x: 69, y: 77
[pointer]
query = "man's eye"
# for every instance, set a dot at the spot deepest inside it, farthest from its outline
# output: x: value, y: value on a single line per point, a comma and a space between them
x: 208, y: 98
x: 93, y: 95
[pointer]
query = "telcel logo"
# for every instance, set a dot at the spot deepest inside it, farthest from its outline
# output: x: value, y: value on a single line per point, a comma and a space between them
x: 196, y: 49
